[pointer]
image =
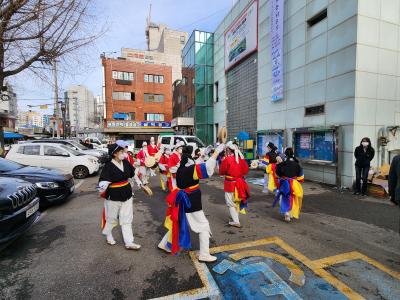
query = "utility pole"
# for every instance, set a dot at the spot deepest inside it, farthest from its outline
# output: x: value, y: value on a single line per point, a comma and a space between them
x: 56, y: 108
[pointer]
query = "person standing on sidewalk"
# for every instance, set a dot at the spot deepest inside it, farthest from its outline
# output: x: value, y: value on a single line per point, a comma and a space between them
x: 363, y: 154
x: 234, y: 168
x: 117, y: 191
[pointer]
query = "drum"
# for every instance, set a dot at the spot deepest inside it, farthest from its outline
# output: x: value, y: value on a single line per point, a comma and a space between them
x: 157, y: 156
x: 223, y: 135
x: 150, y: 162
x: 147, y: 190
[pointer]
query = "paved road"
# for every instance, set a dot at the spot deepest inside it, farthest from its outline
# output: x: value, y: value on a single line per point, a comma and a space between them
x: 65, y: 257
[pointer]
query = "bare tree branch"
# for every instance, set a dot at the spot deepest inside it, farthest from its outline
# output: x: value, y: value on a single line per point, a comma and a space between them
x: 33, y: 32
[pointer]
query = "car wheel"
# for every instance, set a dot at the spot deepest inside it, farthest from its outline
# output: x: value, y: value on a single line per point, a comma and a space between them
x: 80, y: 172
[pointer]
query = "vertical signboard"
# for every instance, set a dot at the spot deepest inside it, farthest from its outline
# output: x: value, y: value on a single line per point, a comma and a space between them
x: 241, y: 37
x: 277, y: 10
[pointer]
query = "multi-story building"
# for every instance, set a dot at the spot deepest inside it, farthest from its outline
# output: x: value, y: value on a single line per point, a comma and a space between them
x: 99, y: 111
x: 138, y: 99
x: 30, y: 119
x: 8, y: 110
x: 194, y: 95
x: 164, y: 47
x: 339, y: 81
x: 80, y: 108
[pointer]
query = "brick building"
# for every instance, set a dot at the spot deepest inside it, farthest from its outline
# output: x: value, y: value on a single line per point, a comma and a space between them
x: 138, y: 99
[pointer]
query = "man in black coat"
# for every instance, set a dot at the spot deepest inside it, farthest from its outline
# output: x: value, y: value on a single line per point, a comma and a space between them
x: 394, y: 180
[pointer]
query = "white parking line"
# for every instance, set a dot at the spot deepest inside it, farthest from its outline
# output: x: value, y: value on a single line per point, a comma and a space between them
x: 79, y: 184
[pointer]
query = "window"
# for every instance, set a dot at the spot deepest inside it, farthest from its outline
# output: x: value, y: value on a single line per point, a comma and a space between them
x: 216, y: 91
x: 153, y: 98
x: 130, y: 116
x: 123, y: 96
x: 166, y: 140
x: 29, y: 150
x: 128, y: 76
x: 317, y: 18
x: 54, y: 151
x: 315, y: 145
x: 154, y: 117
x: 182, y: 40
x: 153, y: 78
x: 315, y: 110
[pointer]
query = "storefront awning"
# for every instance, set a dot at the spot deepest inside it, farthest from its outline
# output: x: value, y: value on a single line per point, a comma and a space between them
x: 12, y: 135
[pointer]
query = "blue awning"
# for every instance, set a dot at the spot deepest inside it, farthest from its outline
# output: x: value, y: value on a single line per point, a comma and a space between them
x: 12, y: 135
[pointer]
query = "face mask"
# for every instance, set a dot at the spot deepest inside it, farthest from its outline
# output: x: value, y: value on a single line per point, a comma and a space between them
x: 365, y: 144
x: 125, y: 155
x: 121, y: 156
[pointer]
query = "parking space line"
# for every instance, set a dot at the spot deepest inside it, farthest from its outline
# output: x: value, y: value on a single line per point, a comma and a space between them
x: 79, y: 184
x: 345, y: 257
x: 211, y: 290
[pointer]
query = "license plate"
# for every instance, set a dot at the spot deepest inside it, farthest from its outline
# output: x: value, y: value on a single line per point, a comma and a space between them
x: 32, y: 210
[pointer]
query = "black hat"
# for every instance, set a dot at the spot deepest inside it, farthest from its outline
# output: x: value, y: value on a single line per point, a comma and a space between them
x: 271, y: 145
x: 113, y: 148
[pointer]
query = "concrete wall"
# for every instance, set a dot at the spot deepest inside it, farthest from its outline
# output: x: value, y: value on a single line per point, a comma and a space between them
x: 350, y: 62
x: 378, y: 72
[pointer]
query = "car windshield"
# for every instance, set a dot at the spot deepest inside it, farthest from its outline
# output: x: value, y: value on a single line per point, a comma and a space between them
x: 7, y: 165
x: 71, y: 150
x: 196, y: 141
x: 79, y: 146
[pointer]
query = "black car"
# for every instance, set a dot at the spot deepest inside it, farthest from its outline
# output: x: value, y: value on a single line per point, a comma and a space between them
x: 19, y: 208
x: 52, y: 185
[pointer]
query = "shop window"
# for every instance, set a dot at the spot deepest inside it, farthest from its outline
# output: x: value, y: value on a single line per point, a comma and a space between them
x: 315, y: 145
x: 317, y: 18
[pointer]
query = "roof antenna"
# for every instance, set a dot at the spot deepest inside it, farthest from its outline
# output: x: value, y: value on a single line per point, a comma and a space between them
x: 149, y: 16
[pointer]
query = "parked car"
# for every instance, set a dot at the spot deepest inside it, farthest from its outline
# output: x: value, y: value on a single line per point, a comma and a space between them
x: 19, y: 207
x: 54, y: 156
x: 101, y: 155
x: 188, y: 140
x: 52, y: 185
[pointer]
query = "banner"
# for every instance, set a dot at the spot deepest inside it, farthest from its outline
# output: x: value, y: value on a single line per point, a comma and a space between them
x: 241, y: 36
x: 276, y: 35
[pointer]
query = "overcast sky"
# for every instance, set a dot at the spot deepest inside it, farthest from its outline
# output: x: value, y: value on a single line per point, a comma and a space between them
x: 126, y: 22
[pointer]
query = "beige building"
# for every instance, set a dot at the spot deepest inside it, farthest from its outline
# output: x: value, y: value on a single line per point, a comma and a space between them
x: 30, y: 119
x: 164, y: 47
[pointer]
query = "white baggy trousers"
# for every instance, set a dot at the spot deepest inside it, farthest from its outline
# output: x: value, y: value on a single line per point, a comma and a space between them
x: 230, y: 202
x: 199, y: 224
x: 122, y: 211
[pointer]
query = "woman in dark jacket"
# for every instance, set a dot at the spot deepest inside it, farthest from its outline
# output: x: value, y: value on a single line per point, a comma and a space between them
x: 363, y: 154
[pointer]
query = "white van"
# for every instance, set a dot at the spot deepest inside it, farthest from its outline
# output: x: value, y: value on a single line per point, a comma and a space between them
x: 54, y: 156
x: 189, y: 140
